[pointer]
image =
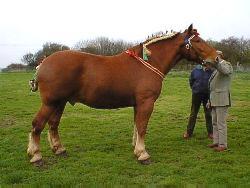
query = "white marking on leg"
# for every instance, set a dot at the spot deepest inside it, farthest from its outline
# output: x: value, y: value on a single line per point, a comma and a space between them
x: 55, y: 143
x: 32, y: 146
x: 140, y: 151
x: 33, y: 150
x: 50, y: 140
x: 134, y: 136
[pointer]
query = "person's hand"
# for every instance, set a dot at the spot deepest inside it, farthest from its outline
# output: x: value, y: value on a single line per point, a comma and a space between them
x: 219, y: 58
x: 208, y: 105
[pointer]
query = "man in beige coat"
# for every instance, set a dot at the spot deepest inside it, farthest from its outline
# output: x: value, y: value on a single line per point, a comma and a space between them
x: 220, y: 100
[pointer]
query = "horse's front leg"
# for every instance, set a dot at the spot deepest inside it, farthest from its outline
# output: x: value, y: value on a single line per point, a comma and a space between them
x: 134, y: 138
x: 143, y: 111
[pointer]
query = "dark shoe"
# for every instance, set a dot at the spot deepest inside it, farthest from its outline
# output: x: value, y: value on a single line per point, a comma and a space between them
x: 186, y: 135
x: 210, y: 136
x: 212, y: 145
x: 220, y: 148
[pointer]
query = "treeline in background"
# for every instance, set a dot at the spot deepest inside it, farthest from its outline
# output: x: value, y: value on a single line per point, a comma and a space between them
x: 236, y: 50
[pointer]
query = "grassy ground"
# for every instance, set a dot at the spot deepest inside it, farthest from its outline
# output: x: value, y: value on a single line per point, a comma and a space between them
x: 99, y: 141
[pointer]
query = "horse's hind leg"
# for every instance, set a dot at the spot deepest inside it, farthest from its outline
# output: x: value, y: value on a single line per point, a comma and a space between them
x: 53, y: 135
x: 38, y: 124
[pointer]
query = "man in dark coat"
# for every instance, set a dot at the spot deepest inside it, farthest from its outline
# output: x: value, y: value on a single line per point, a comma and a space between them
x: 200, y: 94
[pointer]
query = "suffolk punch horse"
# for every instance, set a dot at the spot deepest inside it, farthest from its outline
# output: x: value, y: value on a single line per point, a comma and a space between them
x: 130, y: 79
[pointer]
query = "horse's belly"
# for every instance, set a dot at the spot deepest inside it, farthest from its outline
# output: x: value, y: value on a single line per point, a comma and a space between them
x: 105, y: 101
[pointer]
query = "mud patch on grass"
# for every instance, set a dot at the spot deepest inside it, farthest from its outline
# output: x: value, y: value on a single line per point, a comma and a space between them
x: 7, y: 121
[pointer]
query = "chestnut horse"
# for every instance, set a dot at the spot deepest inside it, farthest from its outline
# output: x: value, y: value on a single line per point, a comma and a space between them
x: 124, y: 80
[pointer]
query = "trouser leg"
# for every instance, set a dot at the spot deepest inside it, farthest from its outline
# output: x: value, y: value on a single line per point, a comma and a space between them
x: 208, y: 115
x: 196, y: 102
x: 215, y: 128
x: 222, y: 125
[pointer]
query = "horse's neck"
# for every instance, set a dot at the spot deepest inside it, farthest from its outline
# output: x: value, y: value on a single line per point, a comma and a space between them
x: 166, y: 54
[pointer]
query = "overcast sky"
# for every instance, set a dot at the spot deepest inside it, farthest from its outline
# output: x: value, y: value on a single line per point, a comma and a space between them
x: 25, y: 25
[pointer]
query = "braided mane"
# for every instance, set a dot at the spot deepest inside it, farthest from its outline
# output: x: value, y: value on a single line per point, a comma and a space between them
x: 155, y: 38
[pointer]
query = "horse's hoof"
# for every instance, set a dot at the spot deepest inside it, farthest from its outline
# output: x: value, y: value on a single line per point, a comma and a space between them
x: 37, y: 157
x: 38, y: 163
x: 143, y: 156
x: 62, y: 154
x: 145, y: 162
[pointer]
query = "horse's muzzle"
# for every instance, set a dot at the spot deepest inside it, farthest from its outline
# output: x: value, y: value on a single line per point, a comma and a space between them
x: 212, y: 61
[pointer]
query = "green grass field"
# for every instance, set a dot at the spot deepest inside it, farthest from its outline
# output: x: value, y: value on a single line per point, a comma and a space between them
x: 98, y: 142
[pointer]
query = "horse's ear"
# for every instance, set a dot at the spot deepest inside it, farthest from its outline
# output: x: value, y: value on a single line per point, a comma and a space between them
x: 190, y: 29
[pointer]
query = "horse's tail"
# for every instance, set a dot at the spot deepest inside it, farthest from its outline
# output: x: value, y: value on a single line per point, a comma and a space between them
x: 33, y: 85
x: 34, y: 82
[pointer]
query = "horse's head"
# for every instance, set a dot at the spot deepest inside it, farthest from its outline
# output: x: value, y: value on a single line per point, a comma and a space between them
x: 195, y: 48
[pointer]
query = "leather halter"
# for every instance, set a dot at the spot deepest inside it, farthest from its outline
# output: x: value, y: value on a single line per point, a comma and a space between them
x: 188, y: 41
x: 146, y: 64
x: 188, y: 44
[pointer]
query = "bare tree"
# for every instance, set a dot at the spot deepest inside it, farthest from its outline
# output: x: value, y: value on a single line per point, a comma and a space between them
x: 32, y: 60
x: 234, y: 49
x: 103, y: 46
x: 29, y: 59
